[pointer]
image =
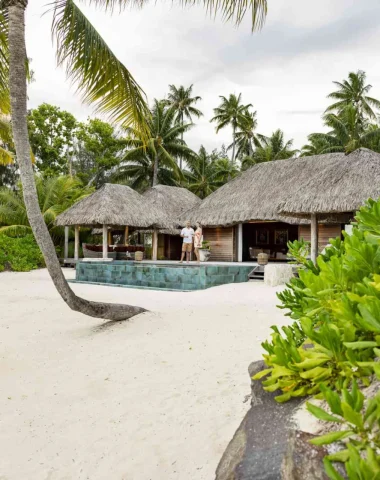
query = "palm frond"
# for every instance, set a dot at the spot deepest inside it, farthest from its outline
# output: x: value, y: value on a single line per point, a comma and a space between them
x: 100, y: 77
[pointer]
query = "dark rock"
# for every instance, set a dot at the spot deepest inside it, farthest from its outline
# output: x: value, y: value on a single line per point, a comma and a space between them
x: 303, y: 461
x: 258, y: 446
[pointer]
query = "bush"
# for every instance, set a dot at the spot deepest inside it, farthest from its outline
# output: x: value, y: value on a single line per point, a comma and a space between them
x: 335, y: 339
x: 19, y: 254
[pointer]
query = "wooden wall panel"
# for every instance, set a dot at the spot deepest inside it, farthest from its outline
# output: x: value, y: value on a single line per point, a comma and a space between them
x: 221, y: 243
x: 325, y: 232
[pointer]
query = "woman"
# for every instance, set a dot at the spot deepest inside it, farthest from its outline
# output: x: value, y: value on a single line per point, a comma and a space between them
x: 198, y: 238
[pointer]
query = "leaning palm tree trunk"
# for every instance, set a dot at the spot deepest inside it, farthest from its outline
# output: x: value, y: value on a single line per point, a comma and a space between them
x: 155, y: 172
x: 18, y: 91
x: 233, y: 145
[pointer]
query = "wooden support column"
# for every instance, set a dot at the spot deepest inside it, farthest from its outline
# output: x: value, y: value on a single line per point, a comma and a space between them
x: 240, y: 242
x: 154, y: 244
x: 66, y: 248
x: 109, y: 237
x: 314, y: 237
x: 76, y: 245
x: 126, y: 235
x: 105, y: 241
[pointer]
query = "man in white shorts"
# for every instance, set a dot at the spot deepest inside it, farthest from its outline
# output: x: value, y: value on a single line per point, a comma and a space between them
x: 187, y: 234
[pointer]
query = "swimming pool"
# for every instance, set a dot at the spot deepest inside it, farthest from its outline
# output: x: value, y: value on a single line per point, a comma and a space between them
x: 181, y: 277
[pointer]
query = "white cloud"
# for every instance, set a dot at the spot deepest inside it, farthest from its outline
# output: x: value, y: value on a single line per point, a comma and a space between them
x: 285, y: 71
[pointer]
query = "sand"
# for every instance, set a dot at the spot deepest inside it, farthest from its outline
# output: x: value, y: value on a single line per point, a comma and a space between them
x: 158, y: 397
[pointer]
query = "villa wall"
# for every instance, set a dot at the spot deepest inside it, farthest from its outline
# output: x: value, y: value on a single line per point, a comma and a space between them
x: 325, y: 232
x: 221, y: 242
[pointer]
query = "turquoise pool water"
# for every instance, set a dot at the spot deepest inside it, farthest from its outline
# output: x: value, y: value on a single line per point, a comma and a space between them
x: 180, y: 277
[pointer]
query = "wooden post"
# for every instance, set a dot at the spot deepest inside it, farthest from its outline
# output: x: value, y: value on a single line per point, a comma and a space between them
x: 154, y: 244
x: 76, y: 248
x: 66, y: 248
x: 126, y: 235
x: 109, y: 237
x: 105, y: 241
x: 314, y: 237
x: 240, y: 242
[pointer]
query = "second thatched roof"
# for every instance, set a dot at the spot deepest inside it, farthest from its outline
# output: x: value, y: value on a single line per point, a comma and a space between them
x: 115, y: 205
x: 338, y: 184
x: 279, y: 190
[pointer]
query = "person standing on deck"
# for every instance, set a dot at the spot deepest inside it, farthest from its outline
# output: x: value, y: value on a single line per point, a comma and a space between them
x: 187, y: 234
x: 198, y: 238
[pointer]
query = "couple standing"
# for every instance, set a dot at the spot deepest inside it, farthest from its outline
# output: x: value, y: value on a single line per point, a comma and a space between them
x: 188, y: 234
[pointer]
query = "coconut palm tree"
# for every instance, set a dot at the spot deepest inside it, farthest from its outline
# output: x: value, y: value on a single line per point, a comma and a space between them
x: 353, y: 92
x: 207, y: 172
x: 231, y: 112
x: 153, y: 161
x: 245, y: 135
x: 181, y: 100
x: 55, y: 194
x: 102, y: 80
x: 273, y: 148
x: 349, y: 131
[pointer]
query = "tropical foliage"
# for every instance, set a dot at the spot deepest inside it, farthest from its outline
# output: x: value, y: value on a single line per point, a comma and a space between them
x: 55, y: 194
x: 149, y: 163
x: 19, y: 254
x: 334, y: 342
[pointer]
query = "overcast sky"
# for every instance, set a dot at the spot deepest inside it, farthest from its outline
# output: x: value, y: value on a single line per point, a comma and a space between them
x: 285, y: 71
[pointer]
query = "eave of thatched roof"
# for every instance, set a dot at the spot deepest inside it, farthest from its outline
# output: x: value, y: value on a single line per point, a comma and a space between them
x: 276, y: 191
x: 336, y: 184
x: 115, y: 205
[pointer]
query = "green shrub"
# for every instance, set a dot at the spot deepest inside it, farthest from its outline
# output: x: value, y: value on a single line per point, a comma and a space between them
x: 19, y: 254
x: 334, y: 341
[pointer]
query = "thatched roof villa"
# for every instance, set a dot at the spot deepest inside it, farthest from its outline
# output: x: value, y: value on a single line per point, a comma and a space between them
x: 272, y: 202
x: 113, y: 206
x: 174, y: 201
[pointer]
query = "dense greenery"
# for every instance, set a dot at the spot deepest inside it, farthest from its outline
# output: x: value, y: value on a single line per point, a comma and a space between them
x: 335, y: 339
x: 19, y: 254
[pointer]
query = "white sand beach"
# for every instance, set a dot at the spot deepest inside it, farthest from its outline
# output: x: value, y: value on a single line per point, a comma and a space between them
x: 155, y: 398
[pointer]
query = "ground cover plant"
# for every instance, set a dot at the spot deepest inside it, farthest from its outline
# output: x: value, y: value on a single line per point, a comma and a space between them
x: 334, y: 342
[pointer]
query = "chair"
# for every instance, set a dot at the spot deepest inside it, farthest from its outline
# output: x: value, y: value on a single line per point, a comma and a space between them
x: 253, y: 252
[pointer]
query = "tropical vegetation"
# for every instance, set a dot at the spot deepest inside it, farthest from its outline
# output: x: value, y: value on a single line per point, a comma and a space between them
x: 332, y: 349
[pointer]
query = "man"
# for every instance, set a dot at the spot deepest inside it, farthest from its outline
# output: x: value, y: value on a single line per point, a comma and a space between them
x: 187, y: 234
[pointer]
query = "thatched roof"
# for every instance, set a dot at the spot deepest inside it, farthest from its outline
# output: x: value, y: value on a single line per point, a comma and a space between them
x: 275, y: 190
x: 115, y: 205
x: 337, y: 183
x: 174, y: 201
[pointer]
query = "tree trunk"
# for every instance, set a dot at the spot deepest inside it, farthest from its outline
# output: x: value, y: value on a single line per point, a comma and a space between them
x: 18, y: 91
x: 180, y: 158
x: 233, y: 145
x: 155, y: 172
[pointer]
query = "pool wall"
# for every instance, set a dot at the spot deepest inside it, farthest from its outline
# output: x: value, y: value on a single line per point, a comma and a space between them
x: 168, y: 277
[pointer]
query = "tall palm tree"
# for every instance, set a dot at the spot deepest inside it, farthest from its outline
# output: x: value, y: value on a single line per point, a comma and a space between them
x: 273, y: 148
x: 207, y: 172
x: 231, y: 112
x: 102, y: 79
x: 348, y: 132
x: 353, y: 92
x: 153, y: 161
x: 181, y: 100
x: 245, y: 136
x: 55, y: 194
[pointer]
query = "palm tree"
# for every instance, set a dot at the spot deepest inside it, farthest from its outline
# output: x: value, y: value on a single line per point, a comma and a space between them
x: 55, y: 194
x: 348, y: 132
x: 245, y: 135
x: 102, y: 80
x: 353, y: 92
x: 183, y: 104
x: 273, y: 148
x: 230, y: 112
x: 318, y: 145
x: 154, y: 161
x: 207, y: 172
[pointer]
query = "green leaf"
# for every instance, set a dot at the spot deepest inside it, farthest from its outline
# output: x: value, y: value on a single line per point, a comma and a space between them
x: 331, y: 437
x: 312, y: 362
x: 341, y: 456
x: 332, y: 399
x: 283, y: 398
x: 351, y: 416
x: 330, y: 470
x: 313, y: 373
x: 262, y: 374
x: 360, y: 345
x: 322, y: 414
